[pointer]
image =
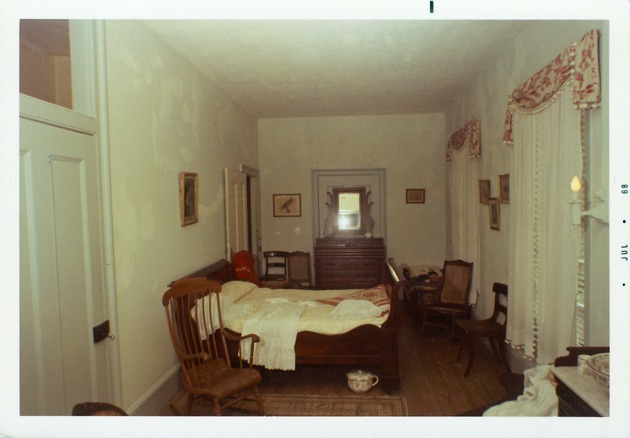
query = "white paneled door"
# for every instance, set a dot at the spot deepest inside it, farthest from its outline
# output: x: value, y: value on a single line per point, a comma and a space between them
x: 62, y: 292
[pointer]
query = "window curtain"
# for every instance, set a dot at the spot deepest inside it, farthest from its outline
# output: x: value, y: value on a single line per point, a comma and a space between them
x: 545, y: 129
x: 463, y: 145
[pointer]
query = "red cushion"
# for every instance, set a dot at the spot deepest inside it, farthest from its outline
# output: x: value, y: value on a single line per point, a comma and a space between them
x: 244, y: 270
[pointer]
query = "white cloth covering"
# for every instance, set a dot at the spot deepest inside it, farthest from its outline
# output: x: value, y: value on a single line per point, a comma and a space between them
x: 539, y: 397
x: 278, y: 315
x: 276, y: 325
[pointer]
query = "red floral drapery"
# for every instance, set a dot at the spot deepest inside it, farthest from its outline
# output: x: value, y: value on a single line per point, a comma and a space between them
x: 577, y: 65
x: 469, y: 135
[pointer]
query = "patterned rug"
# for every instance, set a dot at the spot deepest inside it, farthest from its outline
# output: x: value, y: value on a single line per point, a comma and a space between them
x: 291, y: 405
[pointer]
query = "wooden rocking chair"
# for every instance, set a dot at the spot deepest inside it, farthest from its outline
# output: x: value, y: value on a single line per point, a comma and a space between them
x: 193, y: 313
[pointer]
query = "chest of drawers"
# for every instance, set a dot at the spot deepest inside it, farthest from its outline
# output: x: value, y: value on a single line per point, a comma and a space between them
x: 348, y: 263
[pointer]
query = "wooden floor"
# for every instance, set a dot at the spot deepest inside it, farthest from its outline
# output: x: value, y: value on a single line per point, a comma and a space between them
x: 431, y: 382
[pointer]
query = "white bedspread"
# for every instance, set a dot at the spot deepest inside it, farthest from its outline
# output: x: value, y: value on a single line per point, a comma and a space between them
x: 278, y: 315
x: 539, y: 397
x: 276, y: 324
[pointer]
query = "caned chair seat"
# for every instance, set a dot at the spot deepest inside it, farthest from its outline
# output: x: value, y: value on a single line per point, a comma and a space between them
x: 452, y: 301
x: 300, y: 270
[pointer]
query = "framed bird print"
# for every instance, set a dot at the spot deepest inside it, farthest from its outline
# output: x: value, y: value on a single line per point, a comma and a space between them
x: 287, y: 205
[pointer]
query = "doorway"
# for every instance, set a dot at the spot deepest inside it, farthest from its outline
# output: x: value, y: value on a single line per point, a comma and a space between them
x: 242, y: 212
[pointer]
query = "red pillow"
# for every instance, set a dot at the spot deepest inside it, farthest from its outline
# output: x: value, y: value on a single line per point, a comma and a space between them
x: 243, y: 262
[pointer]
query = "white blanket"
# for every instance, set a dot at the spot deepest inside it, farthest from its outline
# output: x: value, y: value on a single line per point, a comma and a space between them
x: 278, y: 315
x: 277, y: 326
x: 539, y: 397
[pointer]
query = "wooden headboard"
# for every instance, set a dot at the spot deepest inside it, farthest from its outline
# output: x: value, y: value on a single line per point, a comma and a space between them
x: 220, y: 271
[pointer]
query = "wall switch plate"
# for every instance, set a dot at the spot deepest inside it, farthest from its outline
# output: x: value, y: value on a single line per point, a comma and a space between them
x: 101, y: 331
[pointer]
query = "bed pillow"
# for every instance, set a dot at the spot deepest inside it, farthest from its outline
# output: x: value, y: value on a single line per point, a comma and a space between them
x: 356, y: 309
x: 232, y: 291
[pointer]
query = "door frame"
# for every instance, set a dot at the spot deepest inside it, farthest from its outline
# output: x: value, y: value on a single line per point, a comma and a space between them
x: 254, y: 222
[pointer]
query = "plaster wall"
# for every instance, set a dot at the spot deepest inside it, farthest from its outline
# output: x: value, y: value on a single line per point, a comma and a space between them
x: 165, y: 118
x: 409, y: 147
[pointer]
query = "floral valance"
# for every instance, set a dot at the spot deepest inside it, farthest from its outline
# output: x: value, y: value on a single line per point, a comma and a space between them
x: 469, y: 136
x: 578, y: 65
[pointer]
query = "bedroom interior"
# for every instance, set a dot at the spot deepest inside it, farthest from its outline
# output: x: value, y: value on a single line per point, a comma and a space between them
x: 310, y: 108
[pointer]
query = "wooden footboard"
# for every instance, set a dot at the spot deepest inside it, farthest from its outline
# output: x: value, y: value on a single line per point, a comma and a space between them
x: 365, y: 346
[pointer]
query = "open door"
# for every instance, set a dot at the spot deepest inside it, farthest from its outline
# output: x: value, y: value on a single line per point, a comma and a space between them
x: 236, y: 222
x: 242, y: 212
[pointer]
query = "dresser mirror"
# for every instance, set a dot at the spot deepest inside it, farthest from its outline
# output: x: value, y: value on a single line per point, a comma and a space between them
x: 361, y: 207
x: 349, y: 210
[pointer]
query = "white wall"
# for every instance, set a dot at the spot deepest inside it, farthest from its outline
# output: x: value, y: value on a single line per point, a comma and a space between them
x: 165, y: 118
x: 486, y: 100
x: 411, y: 149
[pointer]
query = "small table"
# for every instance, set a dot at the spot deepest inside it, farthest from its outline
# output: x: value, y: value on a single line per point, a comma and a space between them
x: 421, y: 295
x: 580, y: 395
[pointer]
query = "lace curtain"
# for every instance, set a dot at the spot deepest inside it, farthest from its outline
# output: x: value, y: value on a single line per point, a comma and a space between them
x: 544, y: 126
x: 463, y: 198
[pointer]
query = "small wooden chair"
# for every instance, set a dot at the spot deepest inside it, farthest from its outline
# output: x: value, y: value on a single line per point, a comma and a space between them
x: 300, y: 270
x: 245, y: 269
x: 492, y: 328
x: 275, y: 265
x: 193, y: 314
x: 453, y: 296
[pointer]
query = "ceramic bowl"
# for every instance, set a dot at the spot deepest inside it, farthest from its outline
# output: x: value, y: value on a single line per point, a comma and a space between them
x: 361, y: 381
x: 599, y: 367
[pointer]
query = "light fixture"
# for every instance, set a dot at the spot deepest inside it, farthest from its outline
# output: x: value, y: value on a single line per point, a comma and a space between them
x: 598, y: 212
x: 576, y: 202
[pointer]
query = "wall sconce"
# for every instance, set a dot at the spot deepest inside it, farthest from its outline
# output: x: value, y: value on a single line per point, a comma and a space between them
x: 598, y: 212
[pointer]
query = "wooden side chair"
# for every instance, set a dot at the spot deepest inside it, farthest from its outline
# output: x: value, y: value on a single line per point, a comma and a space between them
x: 276, y: 263
x: 452, y: 301
x: 300, y: 270
x: 193, y: 314
x: 492, y: 328
x: 244, y: 265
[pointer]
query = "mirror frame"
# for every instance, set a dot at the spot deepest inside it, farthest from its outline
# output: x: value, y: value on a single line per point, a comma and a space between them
x: 336, y: 191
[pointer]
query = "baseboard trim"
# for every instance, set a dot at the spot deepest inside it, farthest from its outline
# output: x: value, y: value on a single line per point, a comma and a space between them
x: 158, y: 396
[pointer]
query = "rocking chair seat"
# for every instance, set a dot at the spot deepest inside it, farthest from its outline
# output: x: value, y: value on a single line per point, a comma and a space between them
x: 227, y: 381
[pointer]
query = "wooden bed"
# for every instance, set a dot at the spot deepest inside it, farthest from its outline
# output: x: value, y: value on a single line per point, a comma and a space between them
x: 367, y: 346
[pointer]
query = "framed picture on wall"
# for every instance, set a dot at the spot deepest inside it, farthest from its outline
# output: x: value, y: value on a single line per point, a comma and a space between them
x: 188, y: 198
x: 495, y: 214
x: 504, y: 188
x: 484, y: 191
x: 287, y: 205
x: 415, y: 196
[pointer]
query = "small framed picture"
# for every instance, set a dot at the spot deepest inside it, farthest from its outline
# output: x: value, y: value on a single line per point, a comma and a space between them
x: 495, y: 213
x: 287, y: 205
x: 484, y: 191
x: 188, y: 198
x: 415, y: 196
x: 504, y: 188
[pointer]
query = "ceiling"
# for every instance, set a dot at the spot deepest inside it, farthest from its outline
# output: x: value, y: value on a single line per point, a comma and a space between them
x: 299, y: 68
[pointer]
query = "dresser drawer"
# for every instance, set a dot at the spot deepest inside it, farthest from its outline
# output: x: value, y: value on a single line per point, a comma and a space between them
x: 369, y: 263
x: 354, y: 263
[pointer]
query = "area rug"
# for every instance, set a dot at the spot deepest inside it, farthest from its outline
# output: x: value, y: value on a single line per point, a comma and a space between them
x: 291, y: 405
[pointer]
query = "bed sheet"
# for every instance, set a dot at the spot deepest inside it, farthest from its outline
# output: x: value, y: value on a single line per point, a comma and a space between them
x: 317, y: 317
